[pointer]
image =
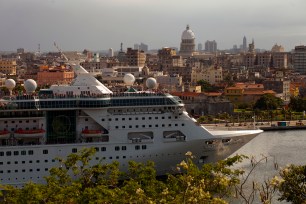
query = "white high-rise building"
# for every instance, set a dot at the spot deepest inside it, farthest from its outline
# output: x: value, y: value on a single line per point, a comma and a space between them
x: 110, y: 52
x: 210, y: 46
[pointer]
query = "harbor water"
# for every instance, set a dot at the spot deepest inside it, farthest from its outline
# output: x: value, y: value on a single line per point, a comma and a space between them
x: 280, y: 147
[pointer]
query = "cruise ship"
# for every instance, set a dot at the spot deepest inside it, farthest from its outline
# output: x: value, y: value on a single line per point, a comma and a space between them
x: 37, y: 127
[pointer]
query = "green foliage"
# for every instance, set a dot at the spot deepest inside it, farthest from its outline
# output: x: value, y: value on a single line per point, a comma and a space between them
x: 206, y: 86
x: 77, y: 181
x: 268, y: 102
x: 297, y: 104
x: 292, y: 184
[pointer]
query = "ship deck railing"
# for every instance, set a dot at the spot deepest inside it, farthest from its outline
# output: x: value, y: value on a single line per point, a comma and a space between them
x: 89, y: 96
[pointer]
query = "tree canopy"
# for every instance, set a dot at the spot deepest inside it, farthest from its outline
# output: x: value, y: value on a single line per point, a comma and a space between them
x: 297, y: 104
x: 268, y: 102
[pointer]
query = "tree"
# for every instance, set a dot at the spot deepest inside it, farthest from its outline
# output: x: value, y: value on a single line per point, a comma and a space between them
x: 268, y: 102
x: 297, y: 104
x: 206, y: 86
x: 292, y: 184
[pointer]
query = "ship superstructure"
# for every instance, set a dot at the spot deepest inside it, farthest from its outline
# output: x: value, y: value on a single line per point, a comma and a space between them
x: 36, y: 128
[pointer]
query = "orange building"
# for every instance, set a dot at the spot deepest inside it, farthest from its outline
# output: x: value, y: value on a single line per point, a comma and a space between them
x: 245, y: 93
x: 56, y: 75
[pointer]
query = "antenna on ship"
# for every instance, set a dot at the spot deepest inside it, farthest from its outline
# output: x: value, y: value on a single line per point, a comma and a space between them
x: 60, y: 51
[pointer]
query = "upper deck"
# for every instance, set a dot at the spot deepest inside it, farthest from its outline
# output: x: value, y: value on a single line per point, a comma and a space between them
x: 49, y: 101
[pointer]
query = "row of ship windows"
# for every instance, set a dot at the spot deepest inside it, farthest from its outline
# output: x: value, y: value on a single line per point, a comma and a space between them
x: 97, y: 158
x: 137, y: 126
x: 74, y: 150
x: 117, y: 148
x: 22, y: 152
x: 136, y: 118
x: 30, y: 162
x: 27, y: 128
x: 20, y: 121
x: 23, y: 170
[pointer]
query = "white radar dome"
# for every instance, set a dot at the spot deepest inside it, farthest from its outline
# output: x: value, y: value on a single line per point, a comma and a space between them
x: 30, y: 85
x: 10, y: 84
x: 151, y: 83
x: 129, y: 79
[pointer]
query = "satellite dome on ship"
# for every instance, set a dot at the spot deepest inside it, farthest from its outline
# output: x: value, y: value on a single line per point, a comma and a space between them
x: 30, y: 85
x: 188, y: 34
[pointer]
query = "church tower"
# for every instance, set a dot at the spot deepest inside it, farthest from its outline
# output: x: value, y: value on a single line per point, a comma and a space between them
x: 188, y: 43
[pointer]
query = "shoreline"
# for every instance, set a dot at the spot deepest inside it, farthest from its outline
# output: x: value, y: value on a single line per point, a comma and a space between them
x: 265, y: 126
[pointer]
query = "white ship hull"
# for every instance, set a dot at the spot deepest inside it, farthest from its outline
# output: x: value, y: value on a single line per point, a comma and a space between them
x: 34, y: 167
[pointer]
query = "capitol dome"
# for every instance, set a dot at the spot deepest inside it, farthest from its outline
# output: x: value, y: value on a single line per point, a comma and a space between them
x: 277, y: 48
x: 188, y: 34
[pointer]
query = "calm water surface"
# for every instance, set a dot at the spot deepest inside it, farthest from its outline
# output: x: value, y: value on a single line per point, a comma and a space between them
x: 281, y: 148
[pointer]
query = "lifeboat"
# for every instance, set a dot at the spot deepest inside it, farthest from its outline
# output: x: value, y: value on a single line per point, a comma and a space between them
x: 4, y: 134
x: 37, y: 133
x: 91, y: 133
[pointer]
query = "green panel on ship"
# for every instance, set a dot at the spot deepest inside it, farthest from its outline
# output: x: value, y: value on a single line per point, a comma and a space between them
x: 61, y: 126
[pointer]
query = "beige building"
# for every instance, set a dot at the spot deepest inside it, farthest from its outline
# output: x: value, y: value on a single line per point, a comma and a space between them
x: 264, y: 59
x: 8, y: 67
x: 135, y: 57
x: 212, y: 75
x: 280, y: 60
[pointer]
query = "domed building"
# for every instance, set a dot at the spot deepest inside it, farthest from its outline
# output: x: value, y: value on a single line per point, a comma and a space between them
x: 277, y: 48
x: 187, y: 47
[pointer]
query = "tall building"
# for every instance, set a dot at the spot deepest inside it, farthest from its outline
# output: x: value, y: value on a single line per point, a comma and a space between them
x: 252, y: 47
x: 136, y: 46
x: 200, y: 47
x: 110, y: 52
x: 135, y: 57
x: 244, y: 44
x: 279, y: 60
x: 210, y: 46
x: 300, y: 59
x: 20, y: 50
x: 187, y: 47
x: 264, y: 59
x: 143, y: 47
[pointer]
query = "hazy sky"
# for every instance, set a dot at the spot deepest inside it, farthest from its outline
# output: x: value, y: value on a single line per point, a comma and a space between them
x: 103, y: 24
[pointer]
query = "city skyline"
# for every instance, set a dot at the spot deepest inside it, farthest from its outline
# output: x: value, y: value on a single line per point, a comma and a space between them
x: 99, y: 25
